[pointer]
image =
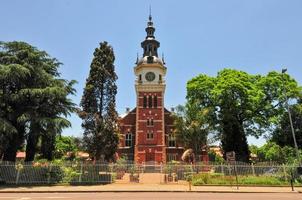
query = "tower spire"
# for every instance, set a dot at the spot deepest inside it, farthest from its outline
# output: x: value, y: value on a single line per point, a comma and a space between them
x: 150, y: 15
x: 150, y: 44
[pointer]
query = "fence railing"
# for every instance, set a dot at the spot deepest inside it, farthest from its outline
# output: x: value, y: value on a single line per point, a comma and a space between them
x: 201, y: 174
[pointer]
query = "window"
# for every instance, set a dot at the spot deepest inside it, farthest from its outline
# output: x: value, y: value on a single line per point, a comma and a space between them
x: 155, y: 102
x: 171, y: 140
x: 160, y: 79
x: 150, y: 122
x: 140, y: 77
x: 150, y: 135
x: 128, y: 139
x: 150, y: 101
x: 145, y: 102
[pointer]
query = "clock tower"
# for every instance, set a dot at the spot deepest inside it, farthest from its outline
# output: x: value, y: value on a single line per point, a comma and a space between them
x: 150, y: 85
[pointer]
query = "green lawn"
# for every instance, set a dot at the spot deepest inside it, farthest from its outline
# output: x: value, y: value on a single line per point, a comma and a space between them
x: 220, y: 179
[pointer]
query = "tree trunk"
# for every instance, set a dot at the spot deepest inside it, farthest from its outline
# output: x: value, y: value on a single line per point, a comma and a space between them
x: 32, y: 141
x: 9, y: 154
x: 1, y: 154
x: 233, y: 136
x: 31, y: 146
x: 14, y: 143
x: 48, y: 147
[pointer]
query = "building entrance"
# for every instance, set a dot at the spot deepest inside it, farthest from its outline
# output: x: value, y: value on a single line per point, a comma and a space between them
x: 150, y: 157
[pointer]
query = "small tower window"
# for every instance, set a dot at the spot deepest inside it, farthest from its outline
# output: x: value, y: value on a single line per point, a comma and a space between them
x: 152, y: 123
x: 148, y: 122
x: 150, y: 102
x: 145, y: 102
x: 150, y: 135
x: 140, y: 77
x: 155, y: 102
x: 159, y: 78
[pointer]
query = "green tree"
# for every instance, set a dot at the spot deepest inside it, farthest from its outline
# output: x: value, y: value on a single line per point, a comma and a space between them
x: 33, y: 97
x: 272, y: 152
x: 98, y: 105
x: 191, y: 128
x: 65, y: 145
x: 282, y: 135
x: 241, y: 104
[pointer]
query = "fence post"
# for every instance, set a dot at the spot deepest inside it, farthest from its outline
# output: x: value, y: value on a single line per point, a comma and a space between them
x: 161, y: 167
x: 222, y: 168
x: 284, y: 172
x: 236, y: 174
x: 17, y: 177
x: 253, y: 169
x: 49, y: 173
x: 111, y: 172
x: 18, y: 167
x: 81, y: 172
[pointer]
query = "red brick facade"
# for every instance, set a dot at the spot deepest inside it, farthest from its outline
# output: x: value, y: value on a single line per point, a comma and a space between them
x: 150, y: 134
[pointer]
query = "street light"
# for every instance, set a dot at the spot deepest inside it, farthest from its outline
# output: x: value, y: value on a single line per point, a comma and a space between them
x: 290, y: 117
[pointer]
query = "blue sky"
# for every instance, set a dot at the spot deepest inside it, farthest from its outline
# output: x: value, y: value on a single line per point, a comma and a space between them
x: 201, y: 36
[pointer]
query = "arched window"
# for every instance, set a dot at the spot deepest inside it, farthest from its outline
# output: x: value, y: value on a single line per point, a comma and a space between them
x: 155, y: 102
x: 145, y: 102
x: 150, y: 102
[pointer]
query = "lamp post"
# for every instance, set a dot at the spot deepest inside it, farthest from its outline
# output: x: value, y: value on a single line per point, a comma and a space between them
x: 290, y: 117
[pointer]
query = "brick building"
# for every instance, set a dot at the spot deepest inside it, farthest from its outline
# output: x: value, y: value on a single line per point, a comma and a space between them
x: 147, y: 129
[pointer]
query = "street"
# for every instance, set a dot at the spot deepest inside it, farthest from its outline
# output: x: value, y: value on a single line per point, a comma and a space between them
x: 151, y: 195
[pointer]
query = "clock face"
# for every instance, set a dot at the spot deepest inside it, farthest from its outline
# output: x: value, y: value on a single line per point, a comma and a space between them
x: 150, y: 76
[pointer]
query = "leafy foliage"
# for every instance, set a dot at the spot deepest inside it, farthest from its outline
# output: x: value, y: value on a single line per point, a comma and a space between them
x: 98, y: 105
x: 241, y: 104
x: 65, y: 145
x: 272, y: 152
x: 282, y: 135
x: 191, y: 128
x: 33, y: 98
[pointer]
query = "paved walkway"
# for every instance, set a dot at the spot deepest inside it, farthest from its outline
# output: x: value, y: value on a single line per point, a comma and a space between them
x: 148, y: 188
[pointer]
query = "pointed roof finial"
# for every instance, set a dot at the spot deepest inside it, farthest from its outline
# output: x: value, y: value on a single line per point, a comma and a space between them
x: 136, y: 58
x: 150, y: 16
x: 163, y: 58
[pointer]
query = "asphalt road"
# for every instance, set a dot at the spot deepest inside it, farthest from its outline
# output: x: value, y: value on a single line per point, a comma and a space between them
x: 147, y: 196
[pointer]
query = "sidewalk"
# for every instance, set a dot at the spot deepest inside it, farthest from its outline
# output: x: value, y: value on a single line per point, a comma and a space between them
x: 147, y: 188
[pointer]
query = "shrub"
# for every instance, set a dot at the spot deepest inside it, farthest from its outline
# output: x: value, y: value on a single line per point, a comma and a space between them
x: 220, y: 179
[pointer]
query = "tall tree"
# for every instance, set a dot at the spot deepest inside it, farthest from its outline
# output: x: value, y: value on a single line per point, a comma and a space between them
x: 241, y: 104
x: 32, y: 96
x: 282, y: 135
x: 98, y: 105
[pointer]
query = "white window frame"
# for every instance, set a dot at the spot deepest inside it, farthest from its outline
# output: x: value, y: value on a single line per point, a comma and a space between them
x: 128, y: 139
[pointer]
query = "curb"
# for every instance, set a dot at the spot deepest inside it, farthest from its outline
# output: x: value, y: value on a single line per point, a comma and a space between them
x: 143, y: 191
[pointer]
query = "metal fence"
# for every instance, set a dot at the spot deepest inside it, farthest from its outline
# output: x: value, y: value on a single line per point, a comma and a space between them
x: 79, y: 173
